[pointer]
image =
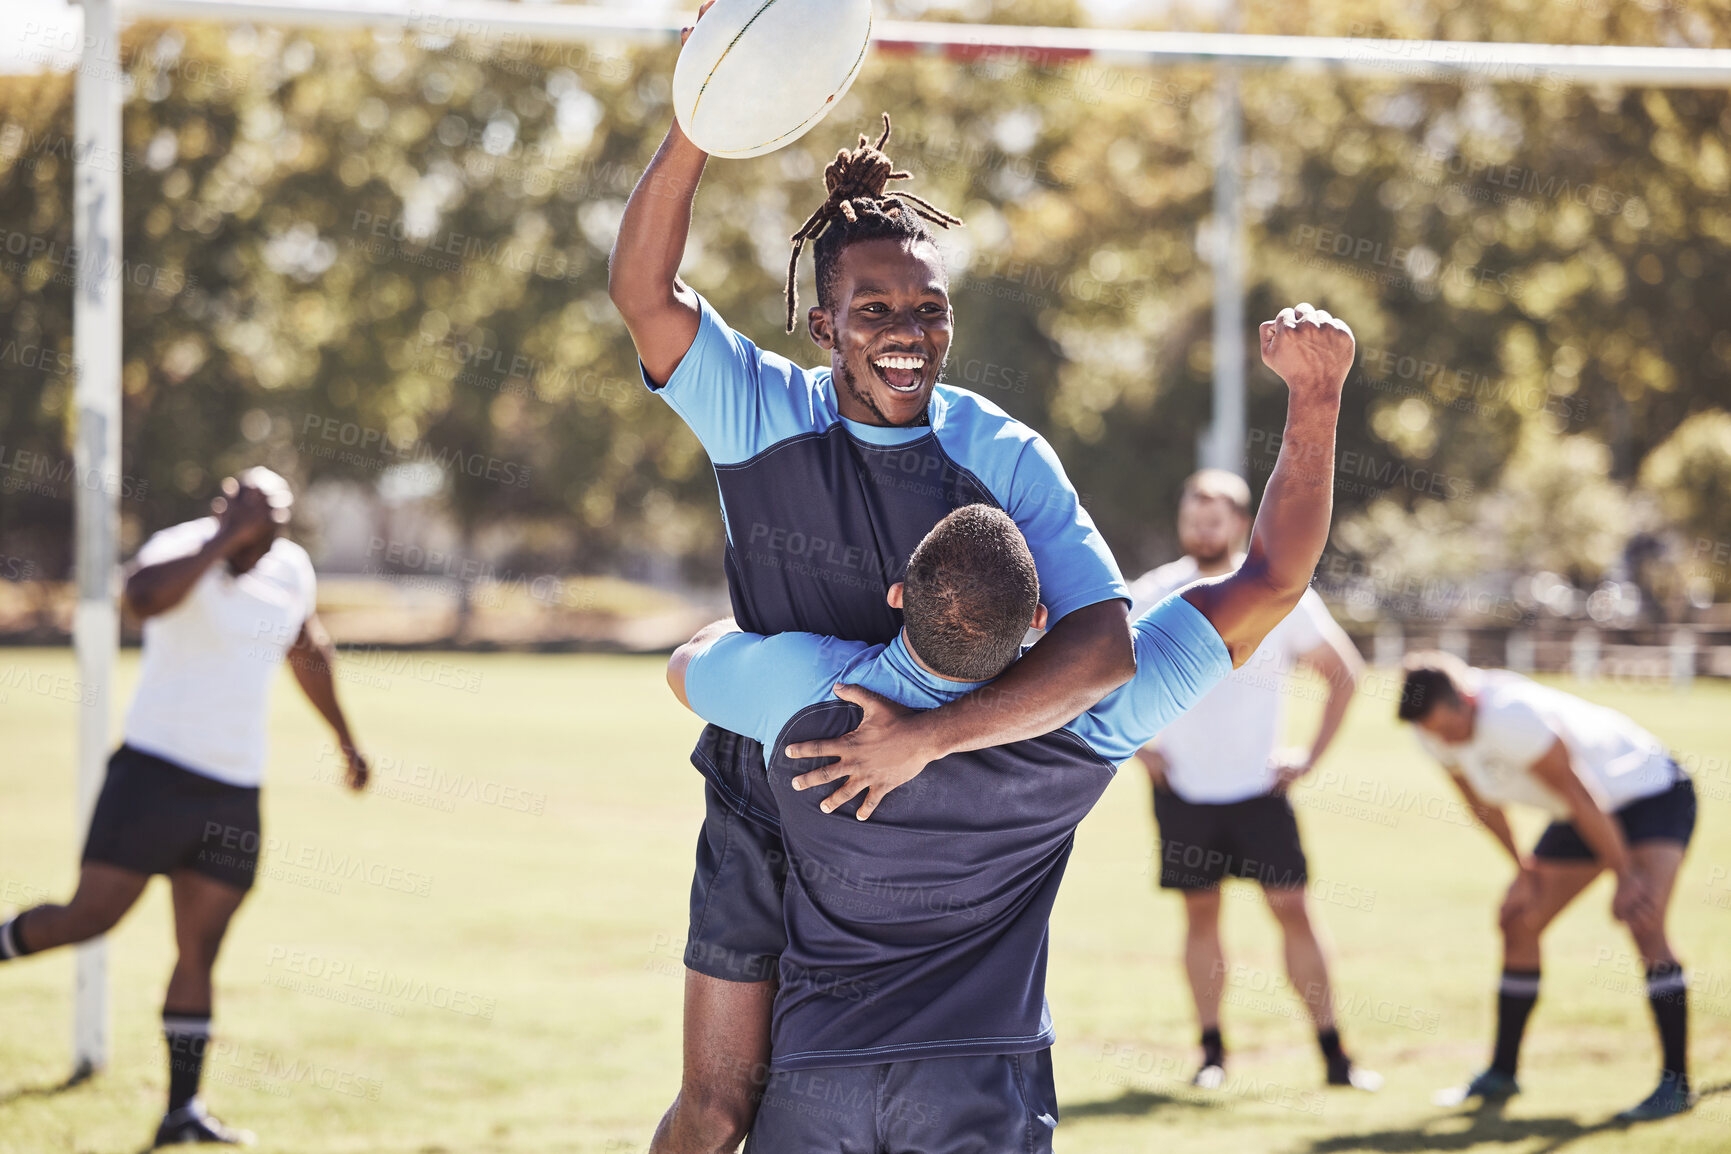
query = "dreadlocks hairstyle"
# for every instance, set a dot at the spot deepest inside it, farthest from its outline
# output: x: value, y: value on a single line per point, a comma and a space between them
x: 857, y: 208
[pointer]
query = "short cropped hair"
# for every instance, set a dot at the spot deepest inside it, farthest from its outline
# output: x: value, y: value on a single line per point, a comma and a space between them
x: 970, y: 592
x: 1220, y: 483
x: 1432, y: 678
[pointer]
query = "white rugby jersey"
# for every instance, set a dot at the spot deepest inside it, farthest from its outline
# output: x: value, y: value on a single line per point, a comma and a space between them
x: 209, y: 662
x: 1222, y: 750
x: 1516, y: 723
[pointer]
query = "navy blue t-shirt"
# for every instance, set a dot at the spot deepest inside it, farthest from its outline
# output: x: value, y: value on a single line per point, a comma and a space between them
x: 922, y: 932
x: 822, y: 512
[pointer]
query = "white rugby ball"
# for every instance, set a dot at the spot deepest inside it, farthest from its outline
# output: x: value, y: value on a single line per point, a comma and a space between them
x: 758, y: 74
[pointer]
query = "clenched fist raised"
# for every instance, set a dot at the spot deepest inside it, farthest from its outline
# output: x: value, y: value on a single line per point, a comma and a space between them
x: 1310, y: 349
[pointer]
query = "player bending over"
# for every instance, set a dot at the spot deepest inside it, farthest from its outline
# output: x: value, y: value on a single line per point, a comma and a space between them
x: 829, y: 477
x: 914, y: 974
x: 1619, y: 802
x: 223, y: 600
x: 1220, y: 787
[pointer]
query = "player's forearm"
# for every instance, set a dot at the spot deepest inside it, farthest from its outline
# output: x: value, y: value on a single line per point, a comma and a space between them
x: 1292, y: 523
x: 158, y: 588
x: 1287, y: 539
x: 1083, y: 658
x: 643, y: 271
x: 313, y: 670
x: 1333, y: 714
x: 1496, y: 822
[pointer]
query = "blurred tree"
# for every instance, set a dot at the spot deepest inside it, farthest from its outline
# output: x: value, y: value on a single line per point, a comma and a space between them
x: 1690, y: 474
x: 382, y: 257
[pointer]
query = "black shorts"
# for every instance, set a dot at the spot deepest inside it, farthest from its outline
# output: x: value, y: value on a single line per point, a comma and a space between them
x: 153, y: 817
x: 1667, y: 816
x: 1202, y: 844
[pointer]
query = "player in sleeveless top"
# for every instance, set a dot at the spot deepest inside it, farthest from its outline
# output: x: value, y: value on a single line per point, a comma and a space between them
x: 1220, y: 784
x: 911, y: 1012
x: 1618, y: 802
x: 224, y: 600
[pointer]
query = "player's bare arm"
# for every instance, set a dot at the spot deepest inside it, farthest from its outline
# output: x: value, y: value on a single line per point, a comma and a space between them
x: 1085, y: 656
x: 1339, y: 665
x: 243, y: 522
x: 1597, y: 828
x: 1524, y: 888
x: 312, y: 659
x: 660, y: 311
x: 1492, y: 817
x: 1312, y: 352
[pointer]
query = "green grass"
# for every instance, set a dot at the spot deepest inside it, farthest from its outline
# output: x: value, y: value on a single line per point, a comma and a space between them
x: 510, y: 976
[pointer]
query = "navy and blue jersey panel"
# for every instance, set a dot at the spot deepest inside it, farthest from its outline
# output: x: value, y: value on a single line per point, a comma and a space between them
x: 923, y: 931
x: 822, y: 513
x: 898, y: 949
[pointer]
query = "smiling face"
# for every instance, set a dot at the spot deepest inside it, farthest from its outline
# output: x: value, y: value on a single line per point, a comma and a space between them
x: 888, y: 332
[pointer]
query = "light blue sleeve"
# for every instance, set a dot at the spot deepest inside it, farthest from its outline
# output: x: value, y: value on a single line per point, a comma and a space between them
x: 1024, y: 475
x: 1076, y: 568
x: 738, y: 399
x: 753, y: 685
x: 1179, y: 658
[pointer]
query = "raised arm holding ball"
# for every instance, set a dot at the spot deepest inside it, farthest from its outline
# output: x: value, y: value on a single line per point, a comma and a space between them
x: 869, y: 452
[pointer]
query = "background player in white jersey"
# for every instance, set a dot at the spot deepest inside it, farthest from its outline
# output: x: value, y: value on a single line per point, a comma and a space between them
x: 1618, y: 801
x: 223, y: 600
x: 1220, y: 786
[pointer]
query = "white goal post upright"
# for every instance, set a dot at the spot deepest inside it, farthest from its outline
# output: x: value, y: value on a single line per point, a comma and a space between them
x: 97, y: 188
x: 96, y: 460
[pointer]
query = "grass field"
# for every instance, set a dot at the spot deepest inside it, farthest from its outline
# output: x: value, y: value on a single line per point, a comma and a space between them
x: 484, y: 955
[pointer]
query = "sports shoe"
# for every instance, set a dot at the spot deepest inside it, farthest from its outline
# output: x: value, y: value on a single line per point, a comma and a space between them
x: 1670, y: 1099
x: 1492, y: 1086
x: 1209, y: 1077
x: 193, y: 1123
x: 1349, y: 1074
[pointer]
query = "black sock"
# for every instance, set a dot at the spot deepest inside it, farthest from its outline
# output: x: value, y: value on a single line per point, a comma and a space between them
x: 187, y: 1035
x: 1516, y: 997
x: 11, y: 942
x: 1668, y: 994
x: 1213, y: 1049
x: 1329, y: 1040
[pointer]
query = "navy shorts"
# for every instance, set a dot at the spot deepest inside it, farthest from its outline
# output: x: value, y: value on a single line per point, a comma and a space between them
x: 1202, y: 844
x: 736, y: 933
x: 153, y: 817
x: 1667, y: 816
x: 983, y: 1104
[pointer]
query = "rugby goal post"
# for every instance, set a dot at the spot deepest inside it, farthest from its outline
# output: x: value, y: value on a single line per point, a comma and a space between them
x: 97, y: 190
